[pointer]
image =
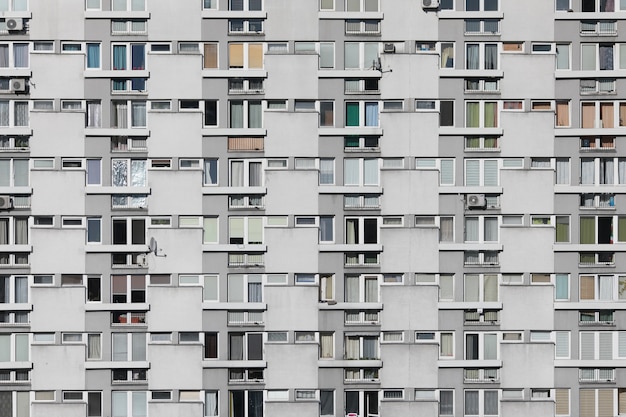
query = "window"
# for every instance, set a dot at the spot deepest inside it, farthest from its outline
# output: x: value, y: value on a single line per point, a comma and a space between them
x: 248, y: 403
x: 362, y: 230
x: 361, y: 347
x: 128, y: 172
x: 14, y: 55
x: 480, y: 287
x: 245, y: 288
x: 14, y: 347
x: 481, y: 402
x: 245, y: 114
x: 600, y: 6
x: 481, y: 229
x: 128, y: 231
x: 209, y: 5
x: 245, y: 26
x: 14, y: 113
x: 361, y: 171
x: 602, y: 287
x: 481, y: 172
x: 128, y: 5
x: 602, y: 229
x: 362, y: 114
x: 245, y: 55
x: 482, y: 346
x: 482, y: 26
x: 128, y: 288
x: 482, y: 114
x: 128, y: 346
x: 245, y: 230
x: 473, y: 85
x: 362, y: 5
x: 481, y: 5
x: 561, y: 287
x: 128, y: 114
x: 13, y: 289
x: 445, y: 167
x: 131, y: 56
x: 129, y: 403
x: 362, y: 288
x: 362, y: 403
x: 481, y: 56
x: 128, y: 27
x: 245, y: 346
x: 14, y: 231
x: 602, y: 114
x: 361, y: 55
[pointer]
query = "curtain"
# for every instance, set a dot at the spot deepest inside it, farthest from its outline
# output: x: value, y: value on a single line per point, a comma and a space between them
x: 93, y: 346
x: 490, y: 346
x: 607, y: 5
x: 120, y: 346
x: 607, y: 117
x: 326, y: 346
x: 255, y: 292
x: 370, y: 347
x: 446, y: 345
x: 327, y: 55
x: 446, y: 229
x: 370, y: 55
x: 138, y: 114
x: 371, y: 290
x: 94, y: 114
x: 235, y: 288
x: 327, y: 171
x: 119, y: 403
x: 5, y: 294
x: 21, y: 231
x: 21, y: 113
x: 93, y: 55
x: 491, y: 403
x: 255, y: 114
x: 473, y: 115
x: 210, y: 230
x: 471, y: 403
x: 326, y: 287
x: 352, y: 347
x: 562, y: 56
x: 562, y: 171
x: 588, y: 52
x: 562, y: 228
x: 4, y: 56
x: 235, y: 55
x: 120, y: 115
x: 20, y: 55
x: 606, y: 171
x: 4, y: 113
x: 210, y: 403
x: 588, y: 115
x: 326, y: 229
x: 587, y: 171
x: 352, y: 231
x: 472, y: 57
x: 370, y: 172
x: 587, y: 230
x: 471, y: 290
x: 119, y: 57
x: 605, y: 287
x: 621, y: 170
x: 491, y: 173
x: 371, y: 114
x: 490, y: 288
x: 491, y: 115
x: 236, y: 173
x: 140, y: 405
x: 236, y: 347
x: 255, y: 55
x: 472, y: 172
x: 255, y: 174
x: 351, y: 171
x: 606, y: 57
x: 447, y: 55
x: 471, y: 229
x: 491, y: 229
x: 491, y: 56
x: 119, y: 172
x: 236, y: 114
x: 352, y: 289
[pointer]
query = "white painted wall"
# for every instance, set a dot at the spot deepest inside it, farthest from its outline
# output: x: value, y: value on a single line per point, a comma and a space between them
x: 409, y: 365
x: 288, y: 19
x: 57, y: 20
x: 182, y: 247
x: 291, y: 75
x: 409, y: 408
x: 66, y: 258
x: 300, y: 409
x: 179, y: 192
x: 291, y: 133
x: 411, y: 75
x: 289, y: 192
x: 57, y: 75
x: 527, y: 365
x: 405, y: 19
x: 175, y: 76
x: 517, y: 314
x: 284, y: 359
x: 175, y: 366
x: 534, y: 191
x: 410, y: 250
x: 283, y: 302
x: 58, y: 366
x: 170, y: 20
x: 175, y: 134
x: 410, y: 191
x: 57, y: 133
x: 527, y: 133
x: 169, y: 409
x: 524, y: 245
x: 528, y: 408
x: 409, y: 307
x: 525, y: 74
x: 301, y: 254
x: 177, y: 308
x: 58, y: 409
x: 58, y: 309
x: 534, y: 21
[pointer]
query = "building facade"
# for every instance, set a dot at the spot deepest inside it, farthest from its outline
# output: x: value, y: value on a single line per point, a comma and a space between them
x: 267, y: 208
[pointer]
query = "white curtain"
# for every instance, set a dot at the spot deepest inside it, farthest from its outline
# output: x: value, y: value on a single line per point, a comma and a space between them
x: 471, y: 229
x: 139, y: 347
x: 120, y: 347
x: 326, y: 345
x: 21, y: 113
x: 471, y: 289
x: 471, y: 403
x: 490, y: 346
x: 562, y: 171
x: 472, y: 172
x: 352, y: 289
x: 255, y: 114
x: 94, y: 114
x: 255, y: 174
x: 491, y: 56
x: 351, y: 171
x: 491, y: 403
x: 607, y: 171
x: 606, y: 287
x: 138, y: 173
x: 211, y: 403
x: 491, y: 229
x: 119, y: 400
x: 587, y: 171
x: 491, y: 173
x: 236, y: 173
x: 93, y: 346
x: 327, y: 171
x: 472, y: 58
x: 370, y: 172
x: 140, y: 404
x: 621, y: 170
x: 20, y: 55
x: 139, y: 114
x: 446, y: 345
x: 490, y: 288
x: 4, y: 232
x: 352, y: 347
x: 352, y: 231
x: 371, y: 290
x: 236, y: 114
x: 121, y: 115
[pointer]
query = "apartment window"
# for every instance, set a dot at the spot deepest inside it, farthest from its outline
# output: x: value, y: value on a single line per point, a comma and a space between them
x: 131, y: 56
x: 482, y: 26
x: 481, y: 229
x: 362, y: 403
x: 481, y: 402
x: 603, y: 114
x: 361, y: 55
x: 474, y: 85
x: 481, y: 56
x: 445, y: 167
x: 245, y: 55
x: 362, y: 288
x: 481, y: 172
x: 128, y: 27
x: 129, y: 403
x: 327, y: 113
x: 361, y: 347
x: 14, y: 55
x: 128, y: 172
x: 362, y: 114
x: 362, y: 230
x: 248, y: 403
x: 128, y: 346
x: 361, y: 171
x: 13, y: 289
x: 599, y: 6
x: 128, y: 231
x: 480, y: 287
x: 128, y: 288
x: 602, y: 287
x: 245, y: 288
x: 245, y: 346
x: 14, y: 347
x: 481, y: 346
x: 481, y: 5
x: 245, y: 114
x: 125, y: 114
x: 602, y: 229
x: 481, y: 114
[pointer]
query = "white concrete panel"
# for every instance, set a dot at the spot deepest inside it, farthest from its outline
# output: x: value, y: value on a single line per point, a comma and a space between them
x: 409, y: 191
x: 291, y: 75
x: 527, y: 408
x: 410, y: 250
x: 301, y: 254
x: 177, y: 192
x: 524, y: 245
x: 409, y: 134
x: 534, y: 21
x: 182, y: 247
x: 58, y: 366
x: 410, y: 408
x: 282, y: 302
x: 58, y: 308
x: 525, y: 75
x: 300, y: 409
x: 169, y: 409
x: 405, y: 19
x: 516, y: 314
x: 528, y: 133
x: 534, y: 191
x: 283, y: 359
x: 170, y: 20
x: 58, y: 134
x: 409, y: 75
x: 58, y: 409
x: 175, y: 76
x: 175, y: 134
x: 57, y: 76
x: 288, y: 19
x: 289, y: 192
x: 58, y: 192
x: 291, y: 134
x: 50, y: 252
x: 169, y: 305
x: 57, y: 20
x: 175, y: 366
x: 527, y: 365
x: 409, y: 365
x: 403, y: 311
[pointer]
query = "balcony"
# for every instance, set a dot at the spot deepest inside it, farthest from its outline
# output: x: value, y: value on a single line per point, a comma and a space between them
x: 481, y: 375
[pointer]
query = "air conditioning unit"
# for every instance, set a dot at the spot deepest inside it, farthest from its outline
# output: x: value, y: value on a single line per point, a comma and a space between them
x: 142, y: 260
x: 389, y: 48
x: 15, y: 23
x: 476, y: 201
x: 17, y: 84
x: 5, y: 202
x: 430, y: 4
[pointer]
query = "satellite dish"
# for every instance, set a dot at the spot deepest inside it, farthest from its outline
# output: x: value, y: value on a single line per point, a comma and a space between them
x: 153, y: 245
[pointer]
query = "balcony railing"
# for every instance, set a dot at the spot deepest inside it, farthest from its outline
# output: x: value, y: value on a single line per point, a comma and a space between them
x: 596, y: 375
x: 481, y: 375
